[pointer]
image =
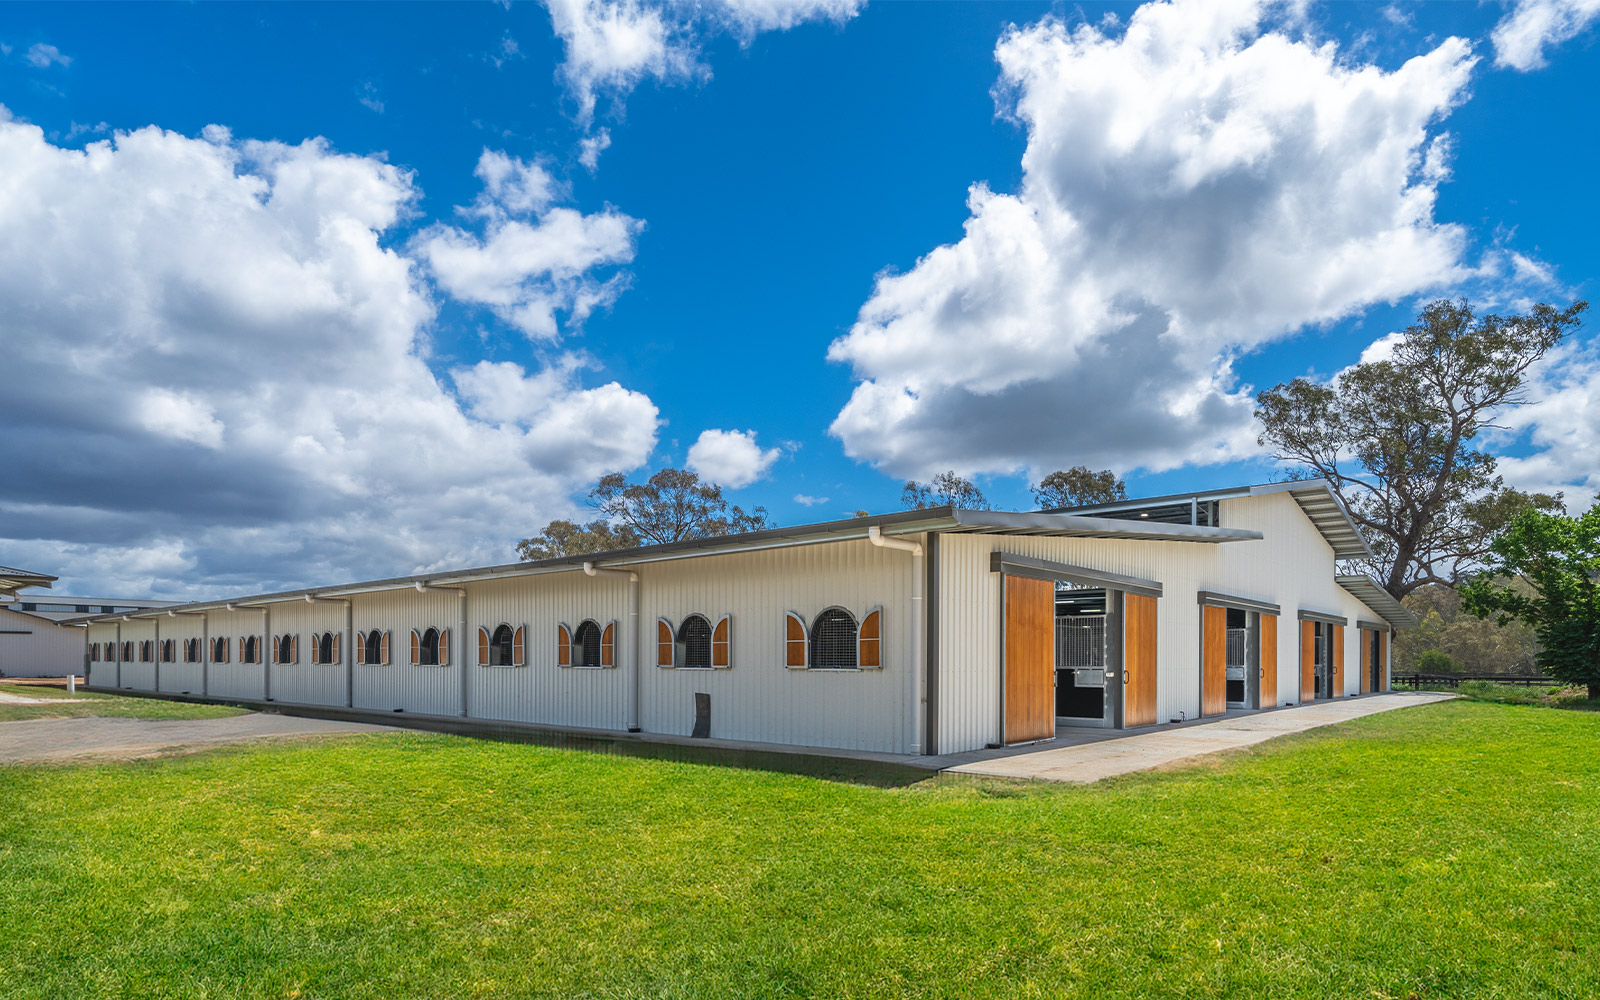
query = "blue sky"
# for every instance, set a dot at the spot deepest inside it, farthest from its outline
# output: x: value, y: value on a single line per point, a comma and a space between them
x: 249, y: 361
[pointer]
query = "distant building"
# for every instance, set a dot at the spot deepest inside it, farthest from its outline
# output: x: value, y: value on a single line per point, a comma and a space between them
x: 41, y: 635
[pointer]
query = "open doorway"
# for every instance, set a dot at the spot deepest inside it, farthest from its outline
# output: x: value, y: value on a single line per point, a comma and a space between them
x: 1242, y: 647
x: 1322, y: 659
x: 1088, y: 684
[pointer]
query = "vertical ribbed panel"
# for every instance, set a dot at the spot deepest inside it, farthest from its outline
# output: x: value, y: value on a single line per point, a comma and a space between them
x: 757, y: 697
x: 137, y: 674
x: 179, y: 677
x: 307, y: 683
x: 540, y: 691
x: 234, y: 679
x: 969, y: 644
x: 103, y: 673
x: 430, y: 690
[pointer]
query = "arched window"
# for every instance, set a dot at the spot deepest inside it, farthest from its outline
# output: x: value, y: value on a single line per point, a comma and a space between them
x: 191, y: 650
x: 147, y: 651
x: 372, y: 647
x: 249, y: 649
x: 219, y: 650
x: 502, y: 647
x: 833, y: 640
x: 694, y: 643
x: 428, y: 648
x: 324, y: 651
x: 168, y: 650
x: 586, y: 645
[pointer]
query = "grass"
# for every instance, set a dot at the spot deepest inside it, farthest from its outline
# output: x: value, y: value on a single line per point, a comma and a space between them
x: 85, y: 703
x: 1451, y: 850
x: 1515, y: 694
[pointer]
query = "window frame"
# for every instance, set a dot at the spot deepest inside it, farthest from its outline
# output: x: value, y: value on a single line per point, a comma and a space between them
x: 855, y: 639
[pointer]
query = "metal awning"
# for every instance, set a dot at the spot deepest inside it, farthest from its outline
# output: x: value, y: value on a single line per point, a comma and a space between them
x: 12, y: 579
x: 1371, y: 593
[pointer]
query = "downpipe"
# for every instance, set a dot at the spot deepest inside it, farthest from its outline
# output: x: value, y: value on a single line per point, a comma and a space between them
x: 918, y: 686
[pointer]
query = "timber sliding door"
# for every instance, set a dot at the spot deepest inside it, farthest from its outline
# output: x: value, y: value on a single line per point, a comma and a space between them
x: 1030, y: 659
x: 1269, y: 661
x: 1214, y: 662
x: 1139, y: 660
x: 1308, y: 661
x: 1337, y: 688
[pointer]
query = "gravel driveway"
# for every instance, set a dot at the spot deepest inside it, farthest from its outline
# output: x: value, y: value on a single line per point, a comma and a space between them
x: 38, y: 741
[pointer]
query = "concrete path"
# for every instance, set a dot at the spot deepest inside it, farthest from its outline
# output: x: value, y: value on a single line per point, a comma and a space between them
x: 37, y: 741
x: 1104, y: 759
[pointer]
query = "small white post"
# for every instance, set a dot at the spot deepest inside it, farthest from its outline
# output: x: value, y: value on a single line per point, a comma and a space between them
x: 72, y: 683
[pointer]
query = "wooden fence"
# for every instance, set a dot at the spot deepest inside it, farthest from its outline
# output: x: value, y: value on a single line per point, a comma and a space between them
x: 1416, y: 682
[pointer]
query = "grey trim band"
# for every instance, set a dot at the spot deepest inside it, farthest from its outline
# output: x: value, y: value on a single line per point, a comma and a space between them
x: 1043, y: 569
x: 1217, y: 600
x: 1374, y: 626
x: 1323, y: 617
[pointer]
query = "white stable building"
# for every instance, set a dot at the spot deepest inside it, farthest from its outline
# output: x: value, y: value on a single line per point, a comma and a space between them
x: 929, y: 631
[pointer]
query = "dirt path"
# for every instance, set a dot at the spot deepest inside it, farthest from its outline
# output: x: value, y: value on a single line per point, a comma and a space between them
x: 38, y: 741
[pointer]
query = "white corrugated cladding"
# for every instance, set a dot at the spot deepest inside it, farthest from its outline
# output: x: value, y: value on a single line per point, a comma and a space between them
x: 434, y: 690
x: 306, y: 682
x: 757, y: 697
x: 102, y: 672
x: 542, y: 692
x: 137, y: 673
x: 179, y: 677
x: 235, y: 679
x: 1292, y: 566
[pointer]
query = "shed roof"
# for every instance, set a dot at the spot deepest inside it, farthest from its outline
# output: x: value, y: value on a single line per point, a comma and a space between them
x: 1371, y: 593
x: 1315, y: 497
x: 12, y: 579
x: 940, y: 519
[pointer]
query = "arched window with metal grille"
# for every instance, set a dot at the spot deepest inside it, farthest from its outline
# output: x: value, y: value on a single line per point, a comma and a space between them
x: 586, y: 644
x: 694, y: 643
x: 833, y: 640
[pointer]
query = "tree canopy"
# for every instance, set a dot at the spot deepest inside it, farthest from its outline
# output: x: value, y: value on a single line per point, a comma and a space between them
x: 1079, y: 486
x: 670, y: 506
x: 1394, y: 437
x: 945, y: 490
x: 1558, y: 558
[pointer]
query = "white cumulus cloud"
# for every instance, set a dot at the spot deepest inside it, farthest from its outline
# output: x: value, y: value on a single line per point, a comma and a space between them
x: 218, y: 377
x: 614, y: 45
x: 1193, y: 187
x: 42, y: 56
x: 1533, y: 25
x: 534, y: 261
x: 731, y: 458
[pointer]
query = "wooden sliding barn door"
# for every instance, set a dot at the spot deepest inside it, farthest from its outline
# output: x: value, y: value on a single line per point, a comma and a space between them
x: 1366, y: 659
x: 1338, y: 661
x: 1308, y: 661
x: 1139, y: 660
x: 1383, y: 660
x: 1269, y: 661
x: 1030, y: 659
x: 1214, y: 661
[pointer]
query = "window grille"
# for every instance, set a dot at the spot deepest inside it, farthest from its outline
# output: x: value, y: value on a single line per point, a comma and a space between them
x: 500, y: 647
x: 1080, y: 642
x: 586, y: 645
x: 325, y: 647
x: 833, y: 640
x: 694, y: 642
x: 1236, y: 644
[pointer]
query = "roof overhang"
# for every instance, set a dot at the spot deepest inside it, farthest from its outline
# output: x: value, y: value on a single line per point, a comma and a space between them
x: 13, y: 579
x: 1315, y: 497
x: 938, y: 519
x: 1371, y: 593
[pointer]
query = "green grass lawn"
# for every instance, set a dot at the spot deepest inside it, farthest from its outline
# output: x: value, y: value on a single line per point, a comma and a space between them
x: 86, y: 703
x: 1443, y: 851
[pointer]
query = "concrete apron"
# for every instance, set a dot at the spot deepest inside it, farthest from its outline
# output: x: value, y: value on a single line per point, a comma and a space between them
x: 1139, y: 752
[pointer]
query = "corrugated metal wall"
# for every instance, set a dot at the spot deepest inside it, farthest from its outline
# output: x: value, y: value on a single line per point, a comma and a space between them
x: 430, y: 690
x: 136, y: 673
x: 234, y: 679
x: 758, y: 697
x: 542, y: 692
x: 307, y: 682
x: 1292, y: 566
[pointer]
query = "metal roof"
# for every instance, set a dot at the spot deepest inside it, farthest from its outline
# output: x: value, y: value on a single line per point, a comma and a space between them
x: 1371, y: 593
x: 1315, y: 497
x: 15, y: 579
x: 941, y: 519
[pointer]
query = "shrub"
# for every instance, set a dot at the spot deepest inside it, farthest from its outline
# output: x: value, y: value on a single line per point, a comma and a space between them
x: 1435, y: 661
